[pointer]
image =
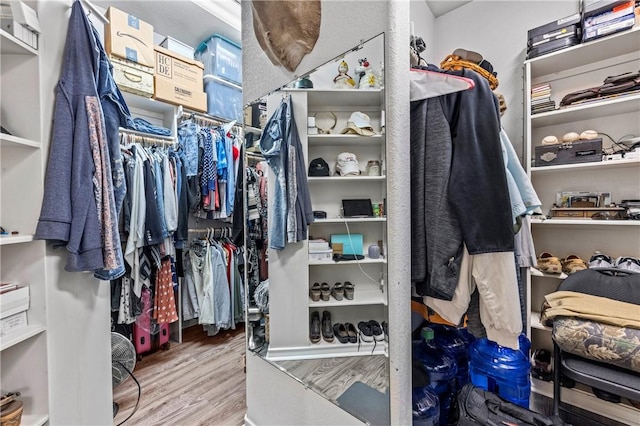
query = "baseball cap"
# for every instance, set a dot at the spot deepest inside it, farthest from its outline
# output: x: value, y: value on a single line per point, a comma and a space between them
x: 318, y: 167
x: 359, y: 123
x: 347, y: 164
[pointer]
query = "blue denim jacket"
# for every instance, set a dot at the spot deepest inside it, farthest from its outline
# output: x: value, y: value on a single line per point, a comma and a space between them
x: 274, y: 148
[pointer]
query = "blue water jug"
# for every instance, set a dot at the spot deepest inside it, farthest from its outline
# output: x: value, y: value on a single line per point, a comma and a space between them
x: 525, y: 345
x: 425, y: 407
x: 503, y: 371
x: 451, y: 340
x: 441, y: 369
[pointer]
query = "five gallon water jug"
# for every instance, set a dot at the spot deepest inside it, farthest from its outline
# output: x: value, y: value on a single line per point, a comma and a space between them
x: 449, y: 338
x: 441, y: 369
x: 425, y: 407
x: 500, y: 370
x: 525, y: 345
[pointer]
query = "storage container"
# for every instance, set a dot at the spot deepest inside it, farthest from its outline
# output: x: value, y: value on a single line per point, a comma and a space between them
x: 500, y: 370
x: 13, y: 323
x: 178, y: 80
x: 133, y: 77
x: 569, y: 153
x: 224, y: 99
x: 14, y: 301
x: 177, y: 46
x: 221, y: 58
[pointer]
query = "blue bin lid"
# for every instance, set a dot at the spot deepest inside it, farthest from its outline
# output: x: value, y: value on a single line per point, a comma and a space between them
x: 202, y: 46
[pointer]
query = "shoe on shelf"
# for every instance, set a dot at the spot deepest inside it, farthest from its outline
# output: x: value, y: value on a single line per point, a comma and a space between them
x: 376, y: 330
x: 327, y: 328
x: 600, y: 260
x: 338, y: 291
x: 628, y: 263
x: 349, y: 290
x: 572, y: 264
x: 351, y: 332
x: 340, y: 331
x: 385, y: 330
x: 542, y: 364
x: 314, y: 327
x: 325, y: 292
x: 366, y: 335
x: 549, y: 263
x: 314, y: 292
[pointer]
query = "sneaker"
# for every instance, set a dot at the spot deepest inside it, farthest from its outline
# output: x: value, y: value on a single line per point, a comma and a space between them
x: 600, y: 260
x: 366, y: 335
x: 385, y: 330
x: 325, y: 292
x: 314, y: 327
x: 376, y: 330
x: 314, y: 292
x: 628, y: 263
x: 327, y: 329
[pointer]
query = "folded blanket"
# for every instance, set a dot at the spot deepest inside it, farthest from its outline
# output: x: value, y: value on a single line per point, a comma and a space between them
x: 601, y: 309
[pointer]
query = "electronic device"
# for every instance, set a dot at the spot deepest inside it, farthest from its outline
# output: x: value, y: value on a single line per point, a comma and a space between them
x: 357, y: 208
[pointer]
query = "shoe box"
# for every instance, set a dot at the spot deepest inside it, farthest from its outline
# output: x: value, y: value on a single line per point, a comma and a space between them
x: 553, y: 36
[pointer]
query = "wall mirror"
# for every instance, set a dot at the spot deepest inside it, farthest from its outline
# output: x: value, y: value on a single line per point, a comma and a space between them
x: 317, y: 309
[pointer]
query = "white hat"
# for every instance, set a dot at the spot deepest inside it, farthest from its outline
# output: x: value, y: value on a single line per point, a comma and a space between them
x: 347, y: 164
x: 359, y: 123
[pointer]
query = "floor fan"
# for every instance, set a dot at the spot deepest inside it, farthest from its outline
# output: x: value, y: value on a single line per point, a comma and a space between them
x: 123, y: 360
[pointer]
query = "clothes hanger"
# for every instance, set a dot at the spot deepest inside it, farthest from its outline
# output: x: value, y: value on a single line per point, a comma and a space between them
x: 425, y: 84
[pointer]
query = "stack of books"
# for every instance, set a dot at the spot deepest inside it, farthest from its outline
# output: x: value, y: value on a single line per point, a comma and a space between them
x: 541, y: 99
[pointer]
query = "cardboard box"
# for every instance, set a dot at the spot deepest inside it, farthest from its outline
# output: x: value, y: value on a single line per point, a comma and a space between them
x: 14, y: 301
x: 129, y: 37
x: 321, y: 256
x: 167, y: 91
x: 177, y: 46
x: 182, y: 71
x: 179, y: 80
x: 133, y: 77
x: 13, y: 323
x: 569, y: 153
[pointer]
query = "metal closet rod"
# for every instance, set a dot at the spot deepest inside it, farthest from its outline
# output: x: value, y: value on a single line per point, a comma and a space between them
x: 129, y: 137
x: 184, y: 114
x: 146, y: 135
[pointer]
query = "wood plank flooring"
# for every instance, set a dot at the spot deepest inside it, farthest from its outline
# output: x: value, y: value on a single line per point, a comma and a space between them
x: 332, y: 376
x: 198, y: 382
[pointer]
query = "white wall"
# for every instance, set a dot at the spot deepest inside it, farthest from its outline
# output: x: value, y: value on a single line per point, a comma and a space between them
x: 424, y: 26
x: 78, y: 305
x: 498, y: 31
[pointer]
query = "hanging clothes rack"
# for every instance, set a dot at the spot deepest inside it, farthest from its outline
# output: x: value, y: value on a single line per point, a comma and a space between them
x: 171, y: 139
x: 131, y: 136
x: 205, y: 119
x: 222, y: 232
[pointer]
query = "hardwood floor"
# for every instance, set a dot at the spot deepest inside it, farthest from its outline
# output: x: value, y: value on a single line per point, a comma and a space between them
x: 198, y: 382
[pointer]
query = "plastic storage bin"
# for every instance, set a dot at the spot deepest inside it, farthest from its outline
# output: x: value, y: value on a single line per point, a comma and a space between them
x: 500, y: 370
x: 440, y: 368
x: 224, y: 99
x: 221, y: 58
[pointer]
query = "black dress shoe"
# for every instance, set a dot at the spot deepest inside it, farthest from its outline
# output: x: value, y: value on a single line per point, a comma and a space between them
x: 314, y: 327
x: 327, y: 329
